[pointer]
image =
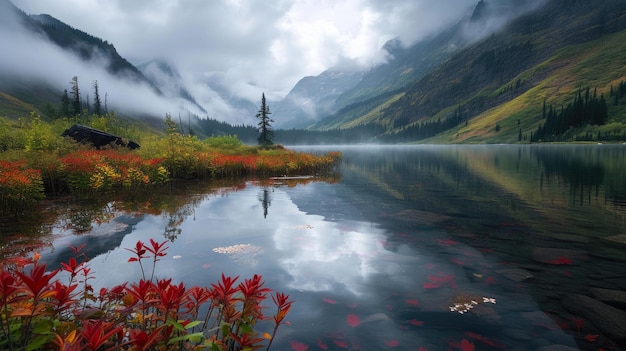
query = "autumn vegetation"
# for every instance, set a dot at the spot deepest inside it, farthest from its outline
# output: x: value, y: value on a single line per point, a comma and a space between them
x: 39, y: 311
x: 36, y: 161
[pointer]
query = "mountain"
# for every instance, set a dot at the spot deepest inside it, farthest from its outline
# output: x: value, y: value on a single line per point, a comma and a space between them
x: 309, y: 102
x: 29, y: 85
x: 165, y: 76
x: 313, y: 97
x: 86, y: 46
x: 493, y: 89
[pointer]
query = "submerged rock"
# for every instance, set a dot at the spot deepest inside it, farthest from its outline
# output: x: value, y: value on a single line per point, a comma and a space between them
x: 616, y: 298
x: 610, y: 320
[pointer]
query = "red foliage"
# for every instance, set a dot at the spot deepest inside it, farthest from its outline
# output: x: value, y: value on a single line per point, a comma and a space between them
x: 145, y: 315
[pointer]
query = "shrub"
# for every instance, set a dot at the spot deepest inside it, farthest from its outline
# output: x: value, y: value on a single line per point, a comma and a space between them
x: 39, y: 312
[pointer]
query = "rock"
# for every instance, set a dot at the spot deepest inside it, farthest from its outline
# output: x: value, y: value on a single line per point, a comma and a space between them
x: 610, y: 320
x: 616, y: 298
x: 617, y: 239
x: 97, y: 138
x: 515, y: 274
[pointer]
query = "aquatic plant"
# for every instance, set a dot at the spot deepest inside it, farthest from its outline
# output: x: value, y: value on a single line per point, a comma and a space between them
x: 39, y: 312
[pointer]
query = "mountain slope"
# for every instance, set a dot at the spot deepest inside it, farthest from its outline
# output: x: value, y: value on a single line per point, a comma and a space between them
x: 498, y: 70
x: 313, y: 97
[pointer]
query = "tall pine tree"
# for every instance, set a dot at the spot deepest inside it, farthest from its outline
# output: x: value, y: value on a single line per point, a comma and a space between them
x: 265, y: 124
x: 97, y: 103
x: 76, y: 105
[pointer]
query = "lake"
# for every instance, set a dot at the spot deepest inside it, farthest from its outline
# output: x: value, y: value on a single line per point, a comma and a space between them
x: 516, y: 247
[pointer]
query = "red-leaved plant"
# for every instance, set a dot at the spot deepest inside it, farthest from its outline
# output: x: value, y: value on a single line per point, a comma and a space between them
x: 39, y: 312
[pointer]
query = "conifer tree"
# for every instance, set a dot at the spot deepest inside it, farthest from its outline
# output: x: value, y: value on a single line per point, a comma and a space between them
x: 75, y: 96
x: 265, y: 124
x: 97, y: 103
x: 64, y: 109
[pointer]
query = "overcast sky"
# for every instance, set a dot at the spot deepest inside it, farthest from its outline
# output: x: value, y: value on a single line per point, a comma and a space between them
x: 257, y: 46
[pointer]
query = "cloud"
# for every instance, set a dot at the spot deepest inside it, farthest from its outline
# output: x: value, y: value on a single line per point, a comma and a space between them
x: 254, y: 46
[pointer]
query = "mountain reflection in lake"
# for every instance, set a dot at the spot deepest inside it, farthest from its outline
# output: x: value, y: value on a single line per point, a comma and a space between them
x: 415, y: 248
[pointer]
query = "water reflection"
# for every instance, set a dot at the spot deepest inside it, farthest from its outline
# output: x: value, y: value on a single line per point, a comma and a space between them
x: 394, y: 252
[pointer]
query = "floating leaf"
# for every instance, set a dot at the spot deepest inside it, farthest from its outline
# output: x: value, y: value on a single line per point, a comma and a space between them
x: 591, y: 337
x: 485, y: 340
x: 431, y: 285
x: 392, y: 343
x: 561, y: 261
x: 447, y: 242
x: 464, y: 345
x: 330, y: 301
x: 353, y: 320
x: 321, y: 344
x: 298, y: 346
x: 341, y: 343
x: 206, y: 265
x: 412, y: 302
x: 415, y: 322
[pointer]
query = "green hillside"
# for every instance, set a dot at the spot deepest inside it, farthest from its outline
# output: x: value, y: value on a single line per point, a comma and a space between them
x: 492, y: 90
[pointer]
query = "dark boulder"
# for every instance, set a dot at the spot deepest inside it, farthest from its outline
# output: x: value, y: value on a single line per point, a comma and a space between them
x: 97, y: 138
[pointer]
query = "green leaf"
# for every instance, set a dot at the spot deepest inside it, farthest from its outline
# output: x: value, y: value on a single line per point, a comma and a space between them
x: 195, y: 337
x: 38, y: 341
x: 193, y: 324
x: 246, y: 329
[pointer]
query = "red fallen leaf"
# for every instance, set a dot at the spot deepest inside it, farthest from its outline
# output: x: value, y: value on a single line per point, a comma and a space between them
x: 578, y: 322
x: 431, y: 285
x: 298, y: 346
x: 464, y: 345
x: 591, y: 337
x: 447, y: 242
x: 490, y: 280
x: 561, y: 261
x: 416, y: 322
x: 330, y: 301
x: 341, y: 343
x: 457, y: 261
x: 485, y: 340
x: 392, y: 343
x: 412, y: 302
x: 321, y: 344
x: 353, y: 320
x: 206, y: 265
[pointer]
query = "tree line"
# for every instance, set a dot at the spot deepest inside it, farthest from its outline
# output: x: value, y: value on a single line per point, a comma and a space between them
x: 75, y: 104
x: 586, y: 109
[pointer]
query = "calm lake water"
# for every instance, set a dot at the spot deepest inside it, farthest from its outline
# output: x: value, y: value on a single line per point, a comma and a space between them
x: 411, y: 248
